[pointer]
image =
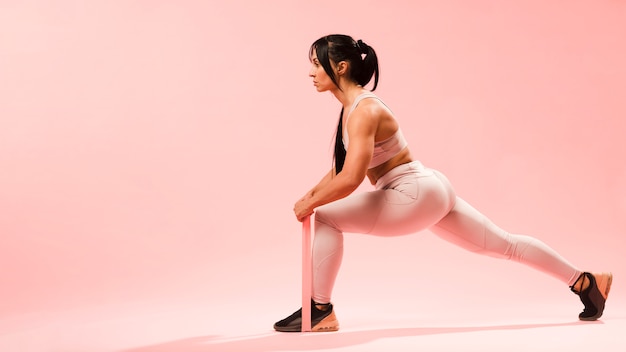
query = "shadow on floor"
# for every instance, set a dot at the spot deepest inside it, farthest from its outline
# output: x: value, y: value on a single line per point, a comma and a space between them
x: 274, y: 341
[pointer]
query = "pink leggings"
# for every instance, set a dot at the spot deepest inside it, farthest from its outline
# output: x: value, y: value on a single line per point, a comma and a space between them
x: 411, y: 198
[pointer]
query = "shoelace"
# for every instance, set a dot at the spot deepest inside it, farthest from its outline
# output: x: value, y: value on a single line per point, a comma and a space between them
x: 573, y: 287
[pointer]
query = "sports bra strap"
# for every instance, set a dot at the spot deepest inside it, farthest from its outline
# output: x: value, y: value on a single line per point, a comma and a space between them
x: 358, y: 100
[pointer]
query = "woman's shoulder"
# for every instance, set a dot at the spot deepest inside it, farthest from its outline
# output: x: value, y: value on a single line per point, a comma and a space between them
x: 374, y: 105
x: 370, y: 112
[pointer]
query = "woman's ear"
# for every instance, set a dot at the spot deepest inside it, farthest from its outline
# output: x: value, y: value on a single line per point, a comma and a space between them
x: 342, y: 68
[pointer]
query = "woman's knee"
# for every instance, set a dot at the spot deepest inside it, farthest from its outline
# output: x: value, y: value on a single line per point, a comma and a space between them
x: 323, y: 215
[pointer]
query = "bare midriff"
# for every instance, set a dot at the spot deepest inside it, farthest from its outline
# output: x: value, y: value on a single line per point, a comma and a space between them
x: 377, y: 172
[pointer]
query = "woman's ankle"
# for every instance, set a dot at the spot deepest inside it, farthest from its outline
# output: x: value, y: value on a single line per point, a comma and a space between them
x: 582, y: 283
x: 322, y: 306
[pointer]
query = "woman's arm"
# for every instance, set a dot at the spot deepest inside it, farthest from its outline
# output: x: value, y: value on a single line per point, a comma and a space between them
x: 361, y: 128
x: 323, y: 182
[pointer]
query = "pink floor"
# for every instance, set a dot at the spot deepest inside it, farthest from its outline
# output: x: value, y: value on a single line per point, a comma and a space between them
x: 153, y: 326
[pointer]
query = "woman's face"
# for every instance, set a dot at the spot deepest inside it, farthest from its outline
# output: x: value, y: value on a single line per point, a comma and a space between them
x: 321, y: 80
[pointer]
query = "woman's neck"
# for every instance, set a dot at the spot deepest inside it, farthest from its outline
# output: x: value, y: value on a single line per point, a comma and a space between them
x: 347, y: 95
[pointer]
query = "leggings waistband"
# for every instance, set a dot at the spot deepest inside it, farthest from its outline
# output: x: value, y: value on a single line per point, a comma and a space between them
x: 413, y: 168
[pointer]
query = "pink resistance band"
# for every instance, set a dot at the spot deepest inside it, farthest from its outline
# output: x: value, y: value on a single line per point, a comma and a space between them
x: 307, y: 274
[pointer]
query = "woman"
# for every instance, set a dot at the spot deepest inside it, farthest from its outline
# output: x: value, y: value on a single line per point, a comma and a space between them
x: 408, y: 197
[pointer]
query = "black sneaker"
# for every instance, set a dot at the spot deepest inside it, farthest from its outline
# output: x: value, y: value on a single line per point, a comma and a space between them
x: 321, y: 320
x: 594, y: 297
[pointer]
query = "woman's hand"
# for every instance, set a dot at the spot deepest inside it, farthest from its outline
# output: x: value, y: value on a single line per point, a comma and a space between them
x: 306, y: 196
x: 303, y: 207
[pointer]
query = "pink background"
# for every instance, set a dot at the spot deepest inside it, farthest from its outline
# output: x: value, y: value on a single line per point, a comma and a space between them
x: 151, y: 152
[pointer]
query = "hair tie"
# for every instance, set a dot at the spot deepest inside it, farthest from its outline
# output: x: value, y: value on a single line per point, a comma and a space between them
x: 361, y: 46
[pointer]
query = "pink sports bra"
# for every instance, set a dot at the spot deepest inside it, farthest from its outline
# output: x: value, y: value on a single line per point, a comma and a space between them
x: 383, y: 150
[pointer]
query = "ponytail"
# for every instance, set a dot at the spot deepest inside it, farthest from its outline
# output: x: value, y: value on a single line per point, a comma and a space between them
x: 340, y: 150
x: 368, y: 65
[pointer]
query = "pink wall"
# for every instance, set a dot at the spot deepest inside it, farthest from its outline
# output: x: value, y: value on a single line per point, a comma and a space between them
x: 155, y: 148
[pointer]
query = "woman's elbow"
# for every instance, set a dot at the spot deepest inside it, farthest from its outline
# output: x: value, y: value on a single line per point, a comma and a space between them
x: 353, y: 181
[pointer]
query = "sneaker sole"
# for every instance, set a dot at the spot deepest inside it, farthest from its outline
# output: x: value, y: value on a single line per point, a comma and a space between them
x: 327, y: 324
x: 604, y: 284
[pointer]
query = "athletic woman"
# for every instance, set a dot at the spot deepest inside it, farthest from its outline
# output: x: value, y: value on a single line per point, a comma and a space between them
x: 408, y: 196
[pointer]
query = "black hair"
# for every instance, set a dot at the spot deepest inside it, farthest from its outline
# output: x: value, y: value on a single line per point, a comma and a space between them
x: 363, y: 65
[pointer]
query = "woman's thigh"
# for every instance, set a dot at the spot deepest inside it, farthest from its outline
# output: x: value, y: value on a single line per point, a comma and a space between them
x: 412, y: 207
x: 409, y: 205
x: 356, y: 213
